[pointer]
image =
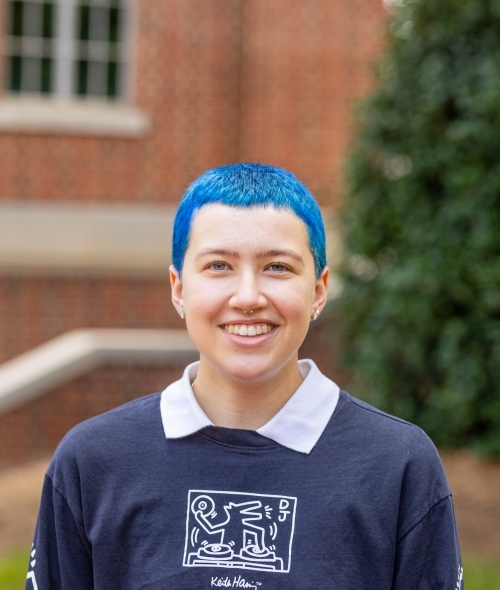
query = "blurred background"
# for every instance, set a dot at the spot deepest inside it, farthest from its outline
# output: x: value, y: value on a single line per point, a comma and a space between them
x: 108, y: 110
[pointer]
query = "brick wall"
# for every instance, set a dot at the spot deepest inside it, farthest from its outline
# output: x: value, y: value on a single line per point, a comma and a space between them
x: 223, y: 81
x: 304, y: 62
x: 34, y: 430
x: 36, y: 309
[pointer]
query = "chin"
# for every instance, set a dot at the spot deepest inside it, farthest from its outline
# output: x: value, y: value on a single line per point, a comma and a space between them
x: 248, y: 369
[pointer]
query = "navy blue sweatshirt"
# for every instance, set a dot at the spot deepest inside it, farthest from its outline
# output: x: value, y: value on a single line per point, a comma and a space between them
x: 125, y: 508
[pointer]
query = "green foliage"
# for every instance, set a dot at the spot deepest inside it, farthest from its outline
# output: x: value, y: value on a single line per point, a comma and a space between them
x: 13, y: 568
x: 419, y: 315
x: 479, y: 575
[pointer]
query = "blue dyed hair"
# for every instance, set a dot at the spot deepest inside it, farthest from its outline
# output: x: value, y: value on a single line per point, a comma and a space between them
x: 249, y: 185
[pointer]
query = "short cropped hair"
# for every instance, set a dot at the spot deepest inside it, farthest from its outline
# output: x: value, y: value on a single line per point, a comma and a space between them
x: 249, y: 185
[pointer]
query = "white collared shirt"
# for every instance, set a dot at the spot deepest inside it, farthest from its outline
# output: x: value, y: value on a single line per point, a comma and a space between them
x: 297, y: 426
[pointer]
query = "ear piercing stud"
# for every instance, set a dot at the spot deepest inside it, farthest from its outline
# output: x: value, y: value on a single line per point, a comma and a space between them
x: 182, y: 313
x: 315, y: 314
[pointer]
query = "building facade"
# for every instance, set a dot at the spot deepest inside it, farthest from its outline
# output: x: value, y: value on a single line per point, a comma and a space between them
x: 108, y: 109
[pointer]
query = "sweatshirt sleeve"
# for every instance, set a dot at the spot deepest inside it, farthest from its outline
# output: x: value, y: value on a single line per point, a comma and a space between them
x: 428, y: 556
x: 61, y: 556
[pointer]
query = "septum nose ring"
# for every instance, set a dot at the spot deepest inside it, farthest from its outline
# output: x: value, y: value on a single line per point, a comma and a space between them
x: 245, y: 311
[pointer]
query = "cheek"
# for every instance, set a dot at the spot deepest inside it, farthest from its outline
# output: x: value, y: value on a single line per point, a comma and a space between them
x: 292, y: 299
x: 205, y: 298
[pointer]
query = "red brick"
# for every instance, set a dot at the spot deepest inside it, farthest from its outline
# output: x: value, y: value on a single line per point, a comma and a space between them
x: 223, y: 81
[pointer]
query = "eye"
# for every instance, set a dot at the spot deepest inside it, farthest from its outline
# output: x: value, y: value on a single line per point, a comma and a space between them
x: 218, y: 266
x: 278, y: 267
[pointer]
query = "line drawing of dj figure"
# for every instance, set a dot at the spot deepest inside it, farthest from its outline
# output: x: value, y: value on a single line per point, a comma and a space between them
x: 253, y: 544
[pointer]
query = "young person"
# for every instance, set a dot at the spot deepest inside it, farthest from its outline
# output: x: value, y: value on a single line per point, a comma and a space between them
x: 254, y: 470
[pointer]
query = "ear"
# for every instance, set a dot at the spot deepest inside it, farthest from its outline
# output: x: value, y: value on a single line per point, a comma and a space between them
x: 176, y: 287
x: 321, y: 290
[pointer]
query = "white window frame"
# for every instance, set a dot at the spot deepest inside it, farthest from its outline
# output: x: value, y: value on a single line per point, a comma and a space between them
x: 65, y: 49
x: 63, y: 111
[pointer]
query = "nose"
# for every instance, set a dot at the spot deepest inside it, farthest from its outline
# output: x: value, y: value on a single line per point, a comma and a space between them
x: 248, y: 294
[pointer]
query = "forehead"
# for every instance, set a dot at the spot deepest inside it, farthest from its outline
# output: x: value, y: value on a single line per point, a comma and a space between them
x: 247, y: 228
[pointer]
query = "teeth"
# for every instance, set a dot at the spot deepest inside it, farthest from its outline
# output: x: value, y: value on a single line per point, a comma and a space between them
x: 245, y: 330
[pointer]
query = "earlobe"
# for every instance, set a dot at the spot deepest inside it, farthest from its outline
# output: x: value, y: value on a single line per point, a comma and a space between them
x: 321, y: 291
x: 315, y: 315
x: 176, y: 287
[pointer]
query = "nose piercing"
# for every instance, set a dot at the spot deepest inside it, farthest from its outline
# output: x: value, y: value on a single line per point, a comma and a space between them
x: 245, y: 311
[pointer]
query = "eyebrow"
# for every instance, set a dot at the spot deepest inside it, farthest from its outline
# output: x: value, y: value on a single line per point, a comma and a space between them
x: 216, y: 252
x: 289, y: 253
x: 231, y: 254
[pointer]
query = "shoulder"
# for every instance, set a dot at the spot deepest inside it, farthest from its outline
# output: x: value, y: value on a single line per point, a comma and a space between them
x: 397, y: 455
x: 384, y: 430
x: 107, y: 439
x: 121, y: 423
x: 394, y: 449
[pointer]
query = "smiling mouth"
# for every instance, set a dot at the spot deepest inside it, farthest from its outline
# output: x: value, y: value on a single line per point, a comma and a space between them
x: 251, y: 330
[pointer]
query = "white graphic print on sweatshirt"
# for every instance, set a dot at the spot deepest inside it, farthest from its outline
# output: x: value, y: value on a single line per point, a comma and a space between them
x: 239, y: 530
x: 31, y: 572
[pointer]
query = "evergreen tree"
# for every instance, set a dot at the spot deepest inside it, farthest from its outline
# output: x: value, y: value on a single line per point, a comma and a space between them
x: 419, y: 315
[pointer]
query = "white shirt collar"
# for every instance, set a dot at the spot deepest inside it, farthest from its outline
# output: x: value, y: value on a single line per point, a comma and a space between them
x: 297, y: 426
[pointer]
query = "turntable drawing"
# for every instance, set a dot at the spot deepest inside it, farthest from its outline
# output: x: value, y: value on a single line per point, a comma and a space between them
x: 239, y: 530
x: 215, y: 551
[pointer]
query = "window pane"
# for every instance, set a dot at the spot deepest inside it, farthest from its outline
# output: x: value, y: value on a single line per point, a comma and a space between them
x: 31, y: 74
x: 29, y: 65
x: 83, y: 22
x: 97, y: 78
x: 113, y: 71
x: 99, y: 23
x: 33, y: 18
x: 47, y: 26
x: 114, y: 25
x: 15, y: 73
x: 46, y: 75
x: 16, y: 23
x: 81, y: 80
x: 36, y: 62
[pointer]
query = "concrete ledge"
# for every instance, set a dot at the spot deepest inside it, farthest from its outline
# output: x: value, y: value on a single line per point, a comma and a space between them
x: 76, y: 353
x: 71, y: 117
x: 85, y: 239
x: 67, y: 239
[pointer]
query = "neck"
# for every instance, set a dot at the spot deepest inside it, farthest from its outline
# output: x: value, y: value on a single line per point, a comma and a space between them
x: 244, y: 403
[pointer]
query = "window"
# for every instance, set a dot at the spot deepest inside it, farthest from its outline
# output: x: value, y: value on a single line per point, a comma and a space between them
x: 67, y: 48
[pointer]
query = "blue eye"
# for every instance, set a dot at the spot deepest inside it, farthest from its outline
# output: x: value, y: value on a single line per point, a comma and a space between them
x: 218, y: 266
x: 278, y: 267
